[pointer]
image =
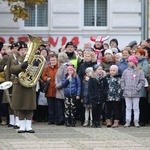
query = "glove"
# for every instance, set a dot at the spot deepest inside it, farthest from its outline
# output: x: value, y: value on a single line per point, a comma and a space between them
x: 24, y: 65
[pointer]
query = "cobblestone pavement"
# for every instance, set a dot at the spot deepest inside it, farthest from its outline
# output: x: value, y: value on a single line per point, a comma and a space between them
x: 52, y: 137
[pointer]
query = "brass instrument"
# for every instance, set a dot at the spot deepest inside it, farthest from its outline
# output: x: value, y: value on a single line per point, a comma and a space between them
x: 31, y: 75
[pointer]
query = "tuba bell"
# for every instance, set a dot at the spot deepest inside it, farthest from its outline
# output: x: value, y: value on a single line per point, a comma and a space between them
x: 31, y: 75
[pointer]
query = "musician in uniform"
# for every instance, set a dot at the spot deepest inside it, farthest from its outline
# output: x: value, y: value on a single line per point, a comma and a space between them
x: 23, y: 98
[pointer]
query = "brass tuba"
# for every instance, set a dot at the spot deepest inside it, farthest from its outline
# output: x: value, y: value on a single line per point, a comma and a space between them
x: 31, y: 75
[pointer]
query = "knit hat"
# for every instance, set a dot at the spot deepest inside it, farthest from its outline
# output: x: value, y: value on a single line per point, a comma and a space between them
x: 133, y: 59
x: 88, y: 69
x: 70, y: 68
x: 108, y: 51
x: 114, y: 67
x: 114, y: 40
x: 95, y: 67
x: 1, y: 45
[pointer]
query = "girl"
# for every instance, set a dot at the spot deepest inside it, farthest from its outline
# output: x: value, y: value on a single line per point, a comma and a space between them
x: 97, y: 89
x: 132, y: 81
x: 87, y: 105
x: 72, y: 90
x: 113, y: 99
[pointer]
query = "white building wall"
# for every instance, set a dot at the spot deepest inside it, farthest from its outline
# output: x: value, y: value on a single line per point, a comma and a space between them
x: 66, y: 21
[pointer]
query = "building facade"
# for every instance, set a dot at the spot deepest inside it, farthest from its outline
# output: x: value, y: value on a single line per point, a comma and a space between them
x: 61, y: 21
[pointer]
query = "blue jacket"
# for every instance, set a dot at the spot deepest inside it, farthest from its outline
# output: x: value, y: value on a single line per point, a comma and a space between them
x: 122, y: 65
x: 73, y: 87
x: 85, y: 96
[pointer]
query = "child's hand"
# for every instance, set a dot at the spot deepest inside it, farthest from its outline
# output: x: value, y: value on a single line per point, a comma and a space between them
x: 77, y: 97
x: 69, y: 76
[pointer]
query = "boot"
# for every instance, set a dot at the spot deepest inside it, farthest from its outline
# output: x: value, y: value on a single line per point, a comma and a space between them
x: 94, y: 124
x: 91, y: 123
x: 28, y: 126
x: 22, y: 126
x: 127, y: 123
x: 116, y: 124
x: 4, y: 121
x: 67, y: 123
x: 11, y: 121
x: 86, y: 123
x: 73, y: 122
x: 108, y: 123
x: 98, y: 124
x: 16, y: 123
x: 136, y: 123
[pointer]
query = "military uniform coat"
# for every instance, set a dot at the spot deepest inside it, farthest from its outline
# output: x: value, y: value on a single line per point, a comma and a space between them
x: 22, y: 98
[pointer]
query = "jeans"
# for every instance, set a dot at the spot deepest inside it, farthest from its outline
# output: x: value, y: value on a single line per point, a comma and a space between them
x: 132, y: 102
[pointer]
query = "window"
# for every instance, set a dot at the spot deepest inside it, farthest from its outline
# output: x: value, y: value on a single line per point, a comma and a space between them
x: 95, y: 12
x: 38, y: 16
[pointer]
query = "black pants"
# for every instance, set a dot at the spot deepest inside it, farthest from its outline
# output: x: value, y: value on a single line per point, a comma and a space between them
x: 113, y: 110
x: 96, y: 112
x: 142, y: 106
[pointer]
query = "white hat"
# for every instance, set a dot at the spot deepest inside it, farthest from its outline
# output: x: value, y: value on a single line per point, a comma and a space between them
x: 108, y: 51
x: 114, y: 50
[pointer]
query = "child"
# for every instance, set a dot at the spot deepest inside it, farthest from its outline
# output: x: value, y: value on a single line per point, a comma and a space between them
x: 97, y: 90
x: 114, y: 95
x: 132, y: 81
x: 72, y: 90
x: 87, y: 105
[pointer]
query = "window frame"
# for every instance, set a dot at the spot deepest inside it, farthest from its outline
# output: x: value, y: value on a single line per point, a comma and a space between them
x: 97, y: 27
x: 23, y: 27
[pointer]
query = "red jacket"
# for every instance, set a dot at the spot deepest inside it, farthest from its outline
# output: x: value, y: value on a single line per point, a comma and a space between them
x: 50, y: 71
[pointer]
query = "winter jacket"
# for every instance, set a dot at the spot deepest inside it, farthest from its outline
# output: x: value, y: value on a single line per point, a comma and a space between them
x: 50, y: 72
x: 114, y: 92
x: 122, y: 65
x: 83, y: 67
x: 97, y: 89
x: 132, y: 81
x: 84, y: 92
x: 58, y: 81
x: 73, y: 87
x: 106, y: 64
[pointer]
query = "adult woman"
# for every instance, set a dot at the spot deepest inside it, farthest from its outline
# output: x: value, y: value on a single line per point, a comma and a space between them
x: 62, y: 60
x: 49, y: 75
x: 122, y: 65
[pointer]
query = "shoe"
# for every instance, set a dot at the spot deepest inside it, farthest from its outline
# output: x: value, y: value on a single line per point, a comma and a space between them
x: 50, y: 122
x: 142, y: 124
x: 16, y: 127
x: 86, y: 123
x: 30, y: 131
x: 127, y: 123
x: 21, y: 131
x: 108, y: 123
x: 60, y: 123
x: 10, y: 125
x: 136, y: 123
x: 116, y: 124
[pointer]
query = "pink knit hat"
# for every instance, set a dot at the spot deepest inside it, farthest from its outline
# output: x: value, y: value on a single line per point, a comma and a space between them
x: 133, y: 59
x: 70, y: 67
x: 115, y: 67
